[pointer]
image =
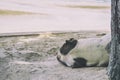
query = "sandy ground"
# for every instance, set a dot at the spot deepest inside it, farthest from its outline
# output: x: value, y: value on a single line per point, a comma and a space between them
x: 34, y: 58
x: 55, y: 16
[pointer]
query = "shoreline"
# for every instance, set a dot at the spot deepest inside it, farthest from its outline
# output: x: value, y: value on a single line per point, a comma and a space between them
x: 18, y: 34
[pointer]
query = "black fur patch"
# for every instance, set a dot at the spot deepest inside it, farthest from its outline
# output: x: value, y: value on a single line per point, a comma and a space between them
x: 79, y: 62
x: 69, y: 45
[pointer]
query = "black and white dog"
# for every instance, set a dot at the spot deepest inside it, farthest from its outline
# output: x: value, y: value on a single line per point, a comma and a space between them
x: 88, y: 52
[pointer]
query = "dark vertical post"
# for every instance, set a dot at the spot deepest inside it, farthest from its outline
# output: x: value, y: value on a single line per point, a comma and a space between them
x: 114, y: 62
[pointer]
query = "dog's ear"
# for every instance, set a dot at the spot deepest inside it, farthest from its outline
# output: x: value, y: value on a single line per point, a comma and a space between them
x: 70, y: 40
x: 68, y: 45
x: 67, y: 41
x: 73, y: 42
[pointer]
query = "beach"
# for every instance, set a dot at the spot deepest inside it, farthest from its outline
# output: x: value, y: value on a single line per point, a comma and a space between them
x: 32, y: 32
x: 34, y: 58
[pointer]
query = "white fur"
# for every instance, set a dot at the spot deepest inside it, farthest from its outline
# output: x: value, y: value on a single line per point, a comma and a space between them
x: 91, y: 49
x: 68, y: 59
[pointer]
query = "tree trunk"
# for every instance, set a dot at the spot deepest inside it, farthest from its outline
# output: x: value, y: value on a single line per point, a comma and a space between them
x: 114, y: 63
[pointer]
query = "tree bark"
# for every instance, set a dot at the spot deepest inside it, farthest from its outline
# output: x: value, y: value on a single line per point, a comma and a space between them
x: 114, y: 62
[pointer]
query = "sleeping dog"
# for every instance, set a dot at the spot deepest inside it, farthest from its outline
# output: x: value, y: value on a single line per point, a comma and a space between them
x: 88, y: 52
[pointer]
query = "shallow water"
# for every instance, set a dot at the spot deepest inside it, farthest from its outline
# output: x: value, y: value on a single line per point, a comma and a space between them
x: 55, y: 16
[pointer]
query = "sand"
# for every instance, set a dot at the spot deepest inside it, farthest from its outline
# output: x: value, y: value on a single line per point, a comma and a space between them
x: 34, y: 58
